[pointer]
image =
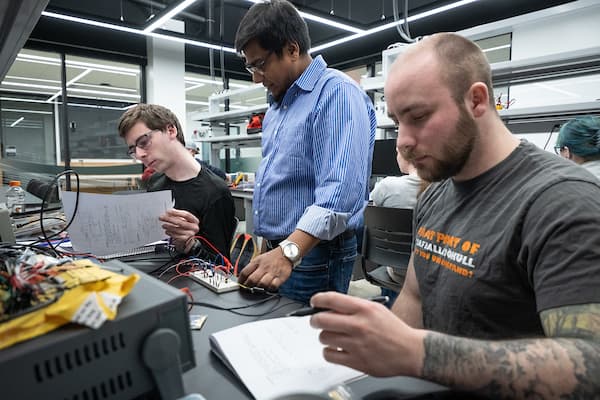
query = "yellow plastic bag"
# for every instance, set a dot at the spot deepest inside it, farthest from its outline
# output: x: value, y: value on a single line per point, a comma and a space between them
x: 90, y: 297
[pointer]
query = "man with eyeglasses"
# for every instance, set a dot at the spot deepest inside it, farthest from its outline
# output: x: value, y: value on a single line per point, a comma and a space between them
x: 317, y: 144
x: 203, y: 203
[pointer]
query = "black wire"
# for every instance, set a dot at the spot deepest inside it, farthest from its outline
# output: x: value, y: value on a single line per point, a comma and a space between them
x: 47, y: 238
x: 550, y: 135
x: 233, y: 310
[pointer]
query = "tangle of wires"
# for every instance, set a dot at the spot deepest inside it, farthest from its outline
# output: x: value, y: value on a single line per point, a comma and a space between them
x: 47, y: 194
x: 27, y: 279
x: 207, y: 261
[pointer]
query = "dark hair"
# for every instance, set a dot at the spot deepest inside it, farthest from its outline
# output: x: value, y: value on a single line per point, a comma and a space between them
x: 274, y: 24
x: 582, y: 137
x: 153, y: 115
x: 462, y: 63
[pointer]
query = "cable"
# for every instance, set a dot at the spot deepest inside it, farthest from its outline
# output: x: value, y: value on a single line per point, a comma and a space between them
x: 402, y: 28
x: 44, y: 202
x: 234, y: 310
x: 550, y: 135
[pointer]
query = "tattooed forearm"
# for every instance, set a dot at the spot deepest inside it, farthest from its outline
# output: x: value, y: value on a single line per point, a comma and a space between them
x: 564, y: 365
x: 520, y: 369
x: 582, y: 321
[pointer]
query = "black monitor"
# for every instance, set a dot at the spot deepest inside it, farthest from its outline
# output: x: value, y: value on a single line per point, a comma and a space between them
x: 141, y: 354
x: 384, y: 158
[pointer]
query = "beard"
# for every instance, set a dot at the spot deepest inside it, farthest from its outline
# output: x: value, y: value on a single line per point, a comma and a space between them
x: 454, y: 154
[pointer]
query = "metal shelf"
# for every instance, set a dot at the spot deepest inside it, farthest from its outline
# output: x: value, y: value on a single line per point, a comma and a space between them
x: 232, y: 117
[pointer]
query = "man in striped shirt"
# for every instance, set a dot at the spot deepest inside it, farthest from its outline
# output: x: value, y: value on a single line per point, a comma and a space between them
x: 317, y: 145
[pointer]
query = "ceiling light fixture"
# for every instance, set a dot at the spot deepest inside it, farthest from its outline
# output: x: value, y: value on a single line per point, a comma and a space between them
x: 30, y: 85
x: 195, y: 86
x: 169, y: 14
x: 16, y: 122
x: 78, y: 64
x: 72, y: 81
x: 104, y: 87
x: 19, y: 110
x: 213, y: 82
x: 391, y: 25
x: 504, y: 46
x: 23, y: 78
x: 322, y: 20
x: 136, y: 31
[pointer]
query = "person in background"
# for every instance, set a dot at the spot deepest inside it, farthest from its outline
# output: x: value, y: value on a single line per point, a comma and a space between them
x: 217, y: 171
x: 501, y: 296
x: 317, y: 144
x: 203, y: 204
x: 579, y: 141
x: 399, y: 192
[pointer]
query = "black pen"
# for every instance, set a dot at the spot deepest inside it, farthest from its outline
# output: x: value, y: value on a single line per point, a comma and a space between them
x: 313, y: 310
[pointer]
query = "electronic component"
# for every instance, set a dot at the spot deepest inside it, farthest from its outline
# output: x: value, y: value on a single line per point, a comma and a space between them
x: 126, y: 358
x: 218, y: 282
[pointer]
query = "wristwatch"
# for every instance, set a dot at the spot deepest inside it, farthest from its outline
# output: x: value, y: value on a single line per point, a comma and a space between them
x: 291, y: 251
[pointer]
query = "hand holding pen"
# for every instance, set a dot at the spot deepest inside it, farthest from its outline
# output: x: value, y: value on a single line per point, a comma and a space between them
x: 313, y: 310
x: 367, y: 336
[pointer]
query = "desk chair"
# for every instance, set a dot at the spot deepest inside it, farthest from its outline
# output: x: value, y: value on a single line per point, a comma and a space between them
x: 387, y: 241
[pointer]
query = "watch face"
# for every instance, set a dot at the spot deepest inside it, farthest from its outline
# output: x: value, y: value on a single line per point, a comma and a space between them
x: 291, y: 251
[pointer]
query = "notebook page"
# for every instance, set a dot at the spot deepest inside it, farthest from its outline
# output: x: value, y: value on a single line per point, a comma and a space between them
x: 106, y: 223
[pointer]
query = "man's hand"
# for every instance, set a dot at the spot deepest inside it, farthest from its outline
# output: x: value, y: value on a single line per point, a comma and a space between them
x: 180, y: 226
x: 367, y: 336
x: 268, y: 270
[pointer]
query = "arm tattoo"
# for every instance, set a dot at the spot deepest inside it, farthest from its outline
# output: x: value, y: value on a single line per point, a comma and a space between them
x: 565, y: 364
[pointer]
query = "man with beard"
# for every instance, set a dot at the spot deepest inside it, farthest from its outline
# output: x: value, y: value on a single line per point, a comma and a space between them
x: 317, y: 145
x: 501, y: 296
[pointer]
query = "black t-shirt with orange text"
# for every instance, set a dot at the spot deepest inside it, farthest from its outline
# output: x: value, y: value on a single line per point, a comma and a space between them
x: 492, y: 252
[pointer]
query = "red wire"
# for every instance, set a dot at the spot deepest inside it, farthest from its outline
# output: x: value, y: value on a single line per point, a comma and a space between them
x: 225, y: 259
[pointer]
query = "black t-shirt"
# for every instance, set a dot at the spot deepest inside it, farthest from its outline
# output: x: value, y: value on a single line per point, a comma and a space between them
x: 209, y: 199
x: 492, y: 252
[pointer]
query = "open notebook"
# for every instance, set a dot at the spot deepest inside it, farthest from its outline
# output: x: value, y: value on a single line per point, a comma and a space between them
x: 279, y: 356
x: 115, y: 226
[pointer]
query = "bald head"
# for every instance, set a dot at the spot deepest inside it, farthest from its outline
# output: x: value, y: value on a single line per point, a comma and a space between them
x: 457, y: 62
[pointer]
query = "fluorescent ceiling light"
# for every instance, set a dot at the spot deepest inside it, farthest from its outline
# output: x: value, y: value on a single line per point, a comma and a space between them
x: 131, y: 96
x: 32, y: 79
x: 81, y: 75
x: 16, y: 122
x: 24, y: 57
x: 324, y: 21
x: 20, y: 110
x: 99, y: 106
x: 169, y: 14
x: 22, y: 100
x: 78, y: 77
x: 212, y: 82
x: 30, y: 85
x: 36, y: 92
x: 390, y: 25
x: 195, y: 86
x: 504, y: 46
x: 116, y: 88
x: 136, y: 31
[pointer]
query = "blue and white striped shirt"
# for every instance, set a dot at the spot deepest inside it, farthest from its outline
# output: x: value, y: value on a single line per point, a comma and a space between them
x: 317, y: 147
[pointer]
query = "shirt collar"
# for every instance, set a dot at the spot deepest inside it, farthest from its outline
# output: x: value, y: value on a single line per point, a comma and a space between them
x: 311, y: 75
x: 306, y: 81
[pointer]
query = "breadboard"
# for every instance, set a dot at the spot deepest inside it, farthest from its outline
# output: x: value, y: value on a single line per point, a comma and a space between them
x: 218, y: 283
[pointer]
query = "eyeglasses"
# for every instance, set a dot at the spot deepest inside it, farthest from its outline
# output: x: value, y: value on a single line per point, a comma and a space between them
x: 258, y: 67
x: 142, y: 142
x: 557, y: 149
